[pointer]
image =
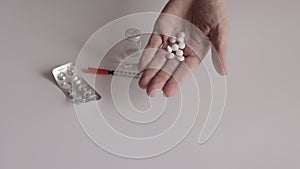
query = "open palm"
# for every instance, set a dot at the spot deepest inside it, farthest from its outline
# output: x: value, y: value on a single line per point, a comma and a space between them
x: 203, y: 21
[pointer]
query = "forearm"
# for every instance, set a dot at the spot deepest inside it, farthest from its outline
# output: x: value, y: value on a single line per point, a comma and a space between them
x: 210, y: 12
x: 178, y: 8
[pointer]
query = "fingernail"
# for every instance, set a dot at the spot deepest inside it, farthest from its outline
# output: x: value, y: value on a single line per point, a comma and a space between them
x: 154, y: 93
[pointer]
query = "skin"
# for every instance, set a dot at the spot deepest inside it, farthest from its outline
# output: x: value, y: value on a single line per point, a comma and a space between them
x: 196, y: 18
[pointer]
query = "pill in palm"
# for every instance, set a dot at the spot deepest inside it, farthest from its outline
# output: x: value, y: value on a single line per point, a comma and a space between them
x: 181, y: 45
x: 172, y: 39
x: 181, y: 35
x: 169, y: 49
x: 180, y: 40
x: 175, y: 47
x: 180, y: 58
x: 179, y: 52
x: 170, y: 55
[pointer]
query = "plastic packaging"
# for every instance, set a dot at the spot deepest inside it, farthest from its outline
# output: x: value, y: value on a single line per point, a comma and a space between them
x: 73, y: 85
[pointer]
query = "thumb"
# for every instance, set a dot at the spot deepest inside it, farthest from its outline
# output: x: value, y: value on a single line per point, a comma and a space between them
x: 219, y: 39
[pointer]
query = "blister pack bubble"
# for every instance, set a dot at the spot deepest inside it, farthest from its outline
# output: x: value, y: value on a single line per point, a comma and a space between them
x: 71, y: 82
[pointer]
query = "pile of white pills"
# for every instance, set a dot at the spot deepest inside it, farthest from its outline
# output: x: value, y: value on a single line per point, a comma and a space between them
x: 176, y: 46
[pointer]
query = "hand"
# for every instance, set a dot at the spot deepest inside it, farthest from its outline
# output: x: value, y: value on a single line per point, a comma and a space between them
x: 203, y: 21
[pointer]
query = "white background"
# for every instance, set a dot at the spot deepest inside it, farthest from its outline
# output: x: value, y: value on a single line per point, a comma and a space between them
x: 39, y: 129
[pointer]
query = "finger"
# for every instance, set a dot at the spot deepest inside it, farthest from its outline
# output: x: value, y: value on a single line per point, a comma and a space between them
x: 161, y: 78
x: 219, y: 39
x: 154, y: 43
x: 181, y: 74
x: 153, y: 67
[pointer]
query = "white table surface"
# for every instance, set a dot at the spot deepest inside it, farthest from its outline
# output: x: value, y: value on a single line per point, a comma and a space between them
x: 39, y: 129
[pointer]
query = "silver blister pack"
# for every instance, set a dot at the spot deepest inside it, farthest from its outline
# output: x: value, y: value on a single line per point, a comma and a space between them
x: 73, y: 84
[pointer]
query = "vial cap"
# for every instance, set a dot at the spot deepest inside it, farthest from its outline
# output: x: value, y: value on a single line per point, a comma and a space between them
x: 133, y: 34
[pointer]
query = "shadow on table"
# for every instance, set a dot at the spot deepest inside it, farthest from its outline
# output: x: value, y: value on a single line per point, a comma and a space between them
x: 48, y: 75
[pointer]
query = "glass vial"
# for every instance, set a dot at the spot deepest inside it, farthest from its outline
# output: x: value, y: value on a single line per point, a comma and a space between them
x: 132, y: 48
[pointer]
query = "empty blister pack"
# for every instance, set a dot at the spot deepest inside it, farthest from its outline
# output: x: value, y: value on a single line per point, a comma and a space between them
x: 73, y: 84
